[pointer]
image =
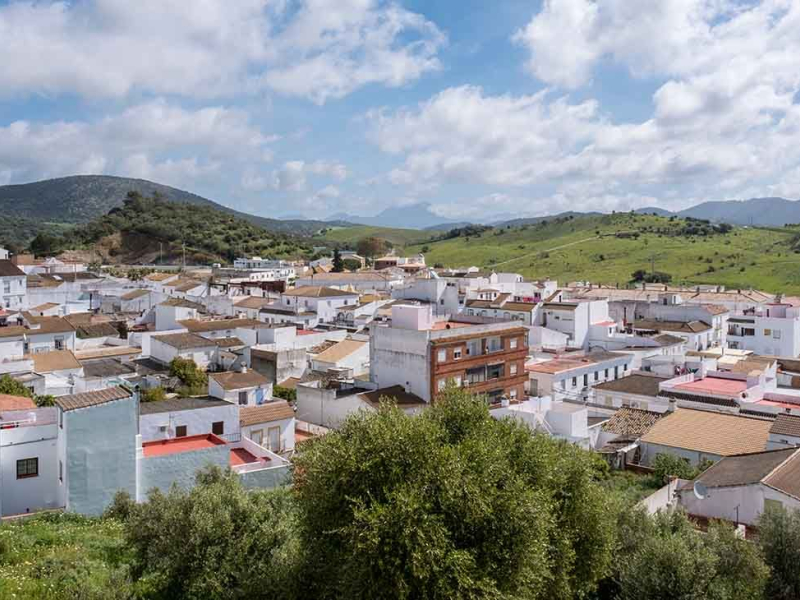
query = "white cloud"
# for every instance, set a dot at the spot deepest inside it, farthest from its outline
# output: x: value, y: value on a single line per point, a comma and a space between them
x: 293, y: 175
x: 724, y: 119
x: 154, y: 140
x: 318, y: 49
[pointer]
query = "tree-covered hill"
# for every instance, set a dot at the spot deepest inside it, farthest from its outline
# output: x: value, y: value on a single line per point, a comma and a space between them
x: 143, y: 229
x: 81, y: 198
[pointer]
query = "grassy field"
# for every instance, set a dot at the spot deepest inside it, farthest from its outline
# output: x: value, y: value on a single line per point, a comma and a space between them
x: 588, y: 249
x: 398, y: 237
x: 63, y: 556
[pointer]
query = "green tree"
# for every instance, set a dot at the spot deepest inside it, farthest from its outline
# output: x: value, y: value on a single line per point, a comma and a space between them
x: 779, y: 539
x: 450, y: 504
x: 352, y: 264
x: 669, y: 465
x: 664, y: 557
x: 279, y: 391
x: 370, y: 247
x: 216, y: 541
x: 338, y: 264
x: 154, y: 394
x: 12, y: 387
x: 193, y: 377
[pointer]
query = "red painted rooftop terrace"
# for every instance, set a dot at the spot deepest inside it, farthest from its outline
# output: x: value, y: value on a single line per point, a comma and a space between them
x: 190, y: 443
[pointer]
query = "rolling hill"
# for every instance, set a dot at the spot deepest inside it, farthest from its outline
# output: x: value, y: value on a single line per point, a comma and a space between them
x: 144, y: 230
x: 608, y: 248
x: 81, y: 198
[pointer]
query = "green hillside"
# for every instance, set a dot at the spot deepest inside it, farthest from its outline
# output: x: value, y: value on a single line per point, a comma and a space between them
x: 143, y: 230
x: 351, y: 235
x: 609, y: 248
x: 81, y: 198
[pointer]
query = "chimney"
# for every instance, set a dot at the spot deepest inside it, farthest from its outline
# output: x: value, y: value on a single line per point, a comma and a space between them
x: 673, y: 405
x: 243, y: 369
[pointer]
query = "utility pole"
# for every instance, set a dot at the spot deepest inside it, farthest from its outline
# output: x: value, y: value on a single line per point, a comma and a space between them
x: 161, y: 253
x: 184, y: 256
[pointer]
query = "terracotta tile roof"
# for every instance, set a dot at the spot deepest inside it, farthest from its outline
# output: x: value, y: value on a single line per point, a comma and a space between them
x: 642, y: 384
x: 9, y: 269
x: 185, y: 285
x: 234, y: 380
x: 753, y: 363
x: 395, y: 393
x: 786, y: 425
x: 9, y: 402
x: 675, y: 326
x: 745, y: 469
x: 160, y: 276
x: 290, y: 384
x: 47, y: 324
x: 96, y: 330
x: 631, y: 422
x: 255, y: 302
x: 716, y: 309
x: 340, y: 351
x: 57, y: 360
x: 710, y: 432
x: 228, y: 342
x: 182, y: 341
x: 313, y: 291
x: 665, y: 339
x: 358, y: 276
x: 560, y: 305
x: 133, y: 295
x: 576, y: 361
x: 45, y: 306
x: 196, y: 326
x: 786, y: 477
x: 276, y: 410
x: 180, y: 302
x: 88, y: 399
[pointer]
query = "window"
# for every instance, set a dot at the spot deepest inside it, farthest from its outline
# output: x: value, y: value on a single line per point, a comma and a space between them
x: 596, y: 375
x: 457, y: 354
x: 512, y: 369
x: 495, y: 371
x: 274, y: 439
x: 574, y: 381
x: 257, y: 436
x: 180, y: 431
x: 218, y: 428
x: 242, y: 398
x: 27, y: 467
x: 474, y: 348
x: 609, y: 401
x: 494, y: 344
x: 6, y: 287
x: 512, y: 394
x: 441, y: 356
x: 776, y: 334
x: 60, y: 472
x: 585, y: 379
x: 457, y: 380
x: 60, y: 419
x: 59, y: 343
x: 605, y: 375
x: 624, y: 367
x: 441, y: 384
x: 513, y: 343
x: 767, y: 332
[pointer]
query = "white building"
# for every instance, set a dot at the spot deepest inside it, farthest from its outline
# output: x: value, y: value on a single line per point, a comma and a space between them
x: 773, y: 330
x: 271, y: 425
x: 182, y: 417
x: 245, y: 387
x: 324, y: 302
x: 13, y: 286
x: 164, y: 348
x: 441, y: 294
x: 740, y: 488
x: 574, y: 375
x: 351, y: 356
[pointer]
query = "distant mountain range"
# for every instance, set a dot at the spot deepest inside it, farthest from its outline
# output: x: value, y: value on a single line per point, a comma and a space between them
x: 81, y: 198
x: 414, y: 216
x: 767, y: 212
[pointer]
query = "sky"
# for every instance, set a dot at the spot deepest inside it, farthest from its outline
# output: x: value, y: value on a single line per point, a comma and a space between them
x: 481, y: 109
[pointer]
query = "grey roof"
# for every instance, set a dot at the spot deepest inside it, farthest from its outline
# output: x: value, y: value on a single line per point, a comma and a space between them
x: 107, y: 367
x: 744, y: 469
x: 640, y: 384
x: 665, y: 339
x: 88, y: 399
x: 183, y: 341
x: 178, y: 404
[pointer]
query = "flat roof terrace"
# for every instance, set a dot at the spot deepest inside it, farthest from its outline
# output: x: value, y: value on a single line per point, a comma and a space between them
x: 714, y: 385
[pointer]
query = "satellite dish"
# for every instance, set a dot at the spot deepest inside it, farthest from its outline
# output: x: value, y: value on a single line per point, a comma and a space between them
x: 700, y: 490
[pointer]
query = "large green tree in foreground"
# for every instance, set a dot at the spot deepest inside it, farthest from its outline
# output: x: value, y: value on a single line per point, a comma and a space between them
x: 450, y: 504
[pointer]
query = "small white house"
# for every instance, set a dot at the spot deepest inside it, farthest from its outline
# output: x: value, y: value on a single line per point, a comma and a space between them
x: 270, y: 425
x: 181, y: 417
x: 348, y: 354
x: 739, y: 488
x: 13, y: 286
x: 245, y: 387
x: 164, y: 348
